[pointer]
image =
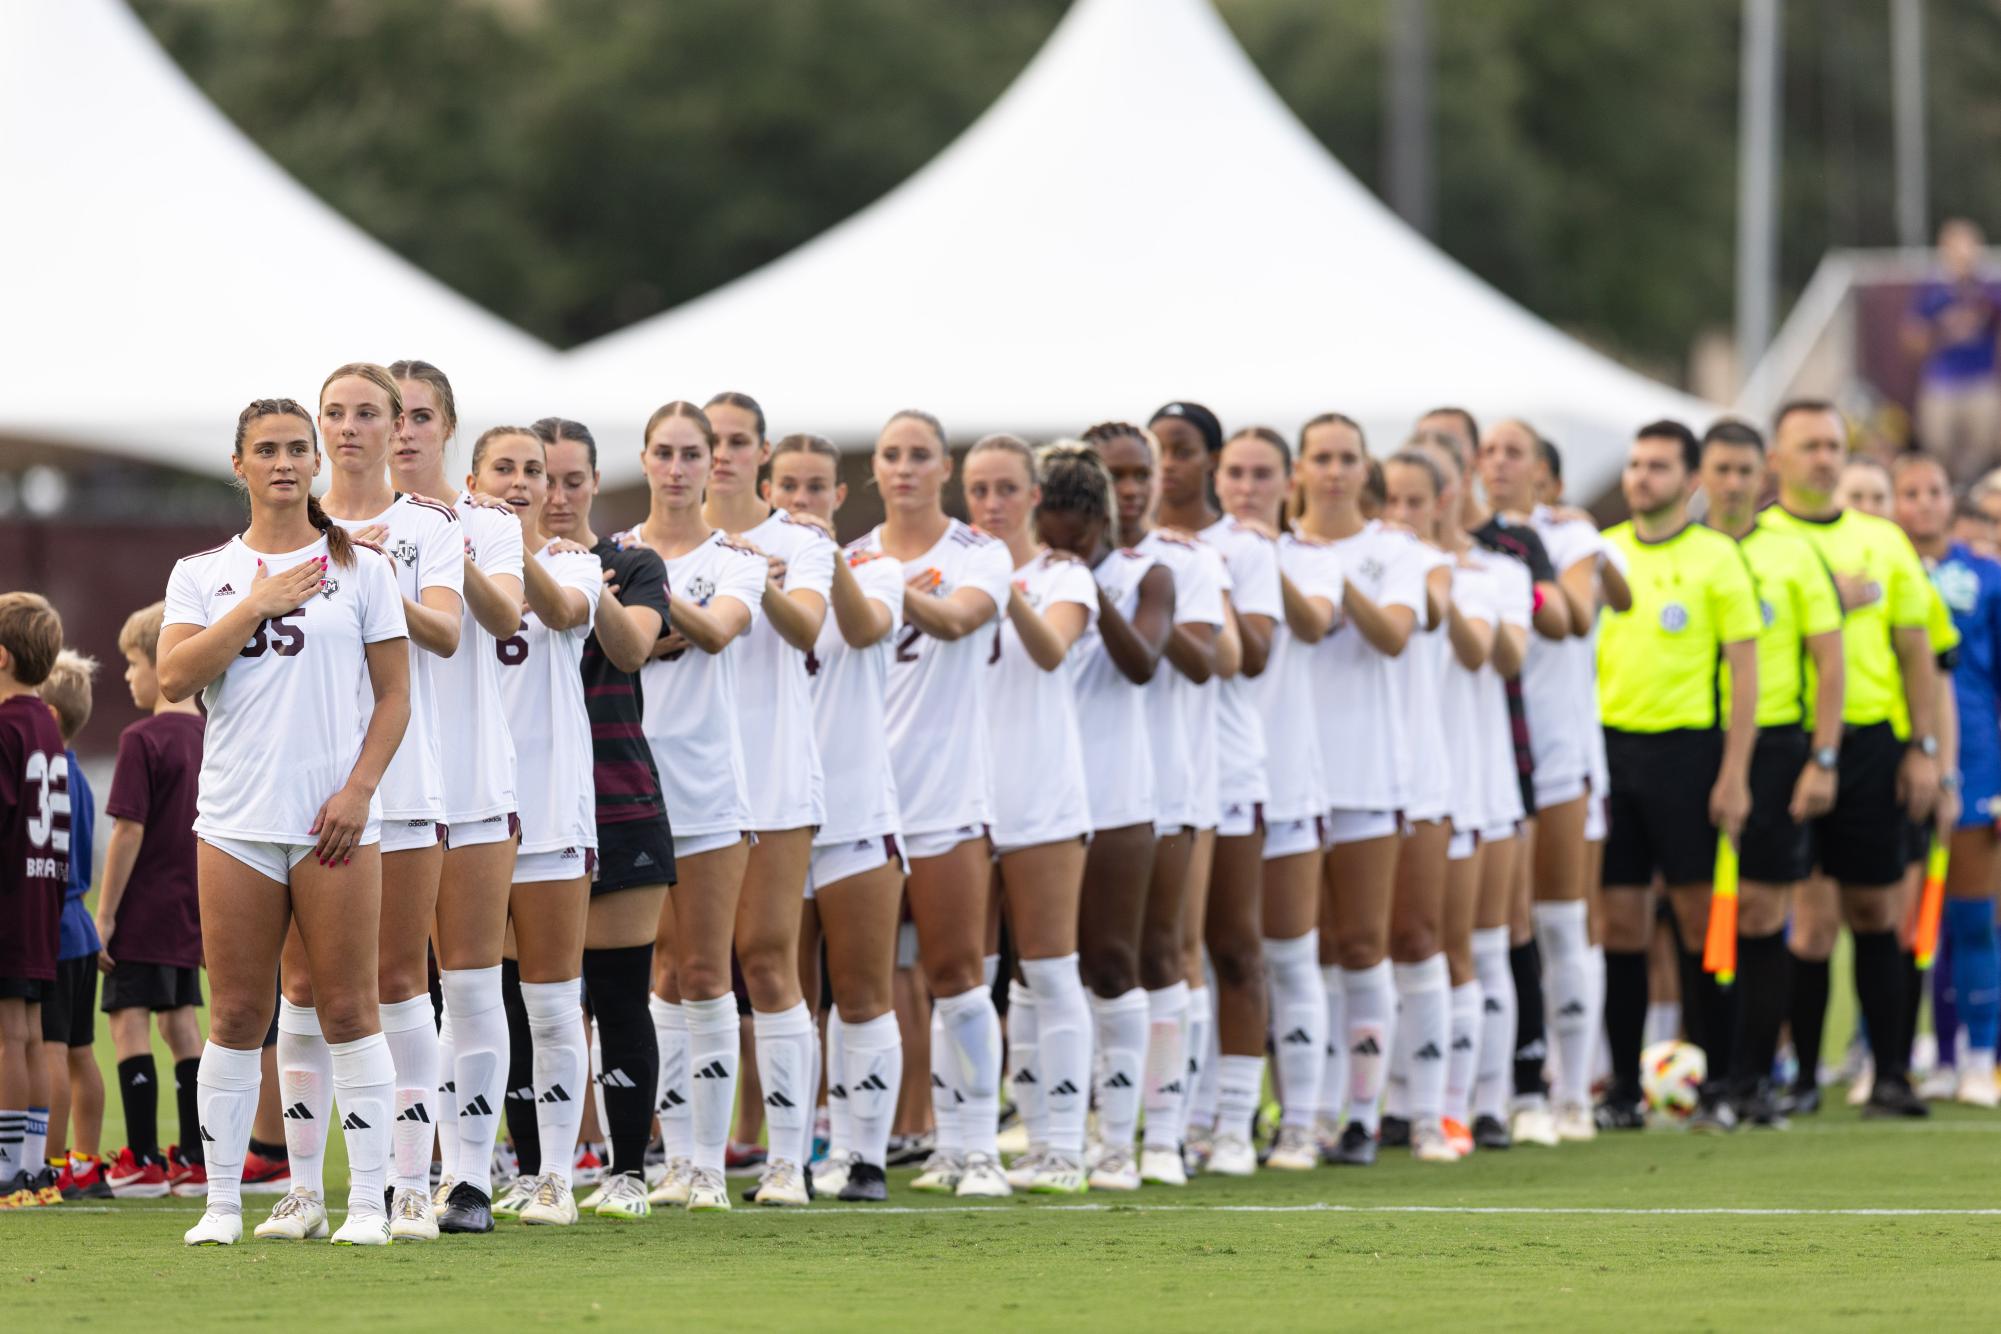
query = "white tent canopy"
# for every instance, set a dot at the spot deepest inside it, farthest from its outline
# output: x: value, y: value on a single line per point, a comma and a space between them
x: 159, y: 270
x: 1138, y: 219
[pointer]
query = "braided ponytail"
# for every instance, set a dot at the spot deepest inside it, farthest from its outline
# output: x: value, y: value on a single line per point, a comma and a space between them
x: 339, y: 545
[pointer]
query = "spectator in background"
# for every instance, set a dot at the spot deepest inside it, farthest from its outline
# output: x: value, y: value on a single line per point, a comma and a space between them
x: 1952, y: 327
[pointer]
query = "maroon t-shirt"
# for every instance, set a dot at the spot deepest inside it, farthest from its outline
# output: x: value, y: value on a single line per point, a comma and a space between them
x: 34, y: 838
x: 159, y: 768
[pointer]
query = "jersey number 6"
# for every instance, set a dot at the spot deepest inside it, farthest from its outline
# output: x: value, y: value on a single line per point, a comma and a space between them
x: 274, y: 634
x: 512, y: 651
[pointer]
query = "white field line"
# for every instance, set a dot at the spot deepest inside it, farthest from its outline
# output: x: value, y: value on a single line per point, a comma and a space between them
x: 1596, y: 1211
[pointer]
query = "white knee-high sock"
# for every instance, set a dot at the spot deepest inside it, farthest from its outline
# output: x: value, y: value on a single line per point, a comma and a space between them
x: 1372, y: 998
x: 784, y: 1072
x: 1494, y: 1073
x: 713, y: 1046
x: 871, y: 1069
x: 555, y: 1027
x: 305, y: 1082
x: 1298, y: 1024
x: 675, y: 1104
x: 478, y: 1015
x: 1121, y: 1027
x: 1198, y: 1108
x: 364, y: 1080
x: 1425, y: 1027
x: 946, y: 1097
x: 226, y: 1094
x: 1166, y: 1065
x: 840, y: 1116
x: 35, y: 1140
x: 1594, y: 1001
x: 1063, y: 1047
x: 1560, y: 931
x: 1464, y: 1060
x: 1239, y: 1081
x: 596, y: 1072
x: 973, y: 1040
x: 445, y: 1105
x: 412, y: 1035
x: 1332, y: 1101
x: 1024, y: 1075
x: 1396, y: 1086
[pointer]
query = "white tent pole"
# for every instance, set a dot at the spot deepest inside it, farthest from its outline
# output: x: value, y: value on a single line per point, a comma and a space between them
x: 1907, y: 73
x: 1407, y: 122
x: 1758, y: 180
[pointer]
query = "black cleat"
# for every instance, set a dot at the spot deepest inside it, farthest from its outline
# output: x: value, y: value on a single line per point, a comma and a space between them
x: 1713, y: 1116
x: 1395, y: 1133
x: 1356, y: 1149
x: 865, y: 1184
x: 1760, y: 1109
x: 1617, y: 1113
x: 1803, y: 1100
x: 1491, y: 1132
x: 1893, y: 1098
x: 467, y: 1209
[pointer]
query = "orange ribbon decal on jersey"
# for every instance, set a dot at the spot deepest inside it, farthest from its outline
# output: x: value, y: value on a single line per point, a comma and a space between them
x: 1931, y: 903
x: 1719, y: 949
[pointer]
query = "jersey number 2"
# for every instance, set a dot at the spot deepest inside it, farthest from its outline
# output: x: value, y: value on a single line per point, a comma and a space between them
x: 274, y: 634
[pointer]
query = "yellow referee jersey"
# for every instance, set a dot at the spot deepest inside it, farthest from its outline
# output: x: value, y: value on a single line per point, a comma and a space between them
x: 1658, y: 662
x: 1797, y: 600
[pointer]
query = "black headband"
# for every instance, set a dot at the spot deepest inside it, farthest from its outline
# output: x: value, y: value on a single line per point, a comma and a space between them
x: 1197, y: 416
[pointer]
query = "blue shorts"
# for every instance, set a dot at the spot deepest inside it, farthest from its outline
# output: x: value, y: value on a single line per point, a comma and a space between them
x: 1979, y: 789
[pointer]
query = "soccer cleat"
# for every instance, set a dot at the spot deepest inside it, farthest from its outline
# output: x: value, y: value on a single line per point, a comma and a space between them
x: 1357, y: 1147
x: 906, y: 1150
x: 193, y: 1182
x: 299, y: 1216
x: 1863, y: 1084
x: 623, y: 1196
x: 941, y: 1173
x: 1115, y: 1171
x: 1293, y: 1150
x: 707, y: 1192
x: 1196, y: 1150
x: 508, y: 1203
x: 1326, y: 1137
x: 363, y: 1230
x: 441, y: 1195
x: 1428, y: 1143
x: 1615, y: 1113
x: 784, y: 1185
x: 215, y: 1228
x: 467, y: 1209
x: 1231, y: 1155
x: 179, y: 1170
x: 1162, y: 1167
x: 1713, y: 1115
x: 1457, y: 1135
x: 46, y: 1190
x: 86, y: 1180
x: 1575, y: 1124
x: 135, y: 1178
x: 1760, y: 1109
x: 1978, y: 1093
x: 865, y: 1183
x: 1023, y: 1169
x: 1491, y: 1132
x: 982, y: 1179
x: 266, y: 1176
x: 1940, y: 1085
x: 550, y: 1203
x: 1803, y: 1100
x: 1395, y: 1133
x: 412, y: 1217
x: 830, y: 1176
x: 742, y: 1157
x: 1059, y: 1174
x: 589, y: 1167
x: 673, y: 1187
x: 1892, y: 1098
x: 19, y: 1193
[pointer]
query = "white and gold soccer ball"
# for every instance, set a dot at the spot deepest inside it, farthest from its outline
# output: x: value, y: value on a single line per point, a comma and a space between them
x: 1671, y: 1075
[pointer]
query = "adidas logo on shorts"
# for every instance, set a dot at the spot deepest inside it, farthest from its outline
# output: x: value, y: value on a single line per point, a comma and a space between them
x: 643, y: 859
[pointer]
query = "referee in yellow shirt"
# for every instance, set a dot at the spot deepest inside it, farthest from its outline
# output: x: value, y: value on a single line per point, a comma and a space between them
x: 1678, y: 774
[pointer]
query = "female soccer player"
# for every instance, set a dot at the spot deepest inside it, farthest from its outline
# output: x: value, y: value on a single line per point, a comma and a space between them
x: 787, y: 799
x: 544, y: 696
x: 635, y: 843
x: 361, y: 412
x: 478, y: 788
x: 1252, y: 477
x: 1117, y: 659
x: 290, y: 832
x: 958, y: 581
x: 1383, y: 601
x: 1041, y: 810
x: 856, y: 875
x: 691, y: 723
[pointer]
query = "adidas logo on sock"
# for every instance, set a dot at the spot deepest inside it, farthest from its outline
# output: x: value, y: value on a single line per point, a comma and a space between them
x: 1024, y: 1076
x: 713, y: 1070
x: 1174, y: 1087
x: 1367, y: 1047
x: 414, y: 1112
x: 1064, y: 1089
x: 556, y: 1093
x: 1118, y: 1080
x: 526, y: 1093
x: 140, y: 1078
x: 616, y: 1079
x: 1428, y: 1052
x: 958, y: 1098
x: 1491, y: 1005
x: 1297, y: 1036
x: 298, y: 1111
x: 874, y: 1084
x: 669, y: 1101
x: 354, y: 1122
x: 1463, y: 1042
x: 479, y: 1106
x: 1572, y: 1010
x: 936, y: 1082
x: 1533, y: 1051
x: 448, y: 1087
x: 777, y: 1099
x: 206, y: 1138
x: 837, y: 1091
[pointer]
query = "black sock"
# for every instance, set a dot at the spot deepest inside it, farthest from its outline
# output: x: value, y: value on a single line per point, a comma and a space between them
x: 629, y: 1054
x: 264, y: 1149
x: 186, y: 1073
x: 1708, y: 1013
x: 1626, y: 1018
x: 139, y: 1091
x: 1763, y: 981
x: 520, y: 1099
x: 1914, y: 1001
x: 1531, y: 1043
x: 1808, y: 1017
x: 1882, y: 988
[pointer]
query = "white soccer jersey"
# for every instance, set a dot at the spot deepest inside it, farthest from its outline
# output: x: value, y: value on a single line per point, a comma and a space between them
x: 850, y: 689
x: 472, y: 721
x: 1361, y: 693
x: 1559, y: 679
x: 777, y: 728
x: 1040, y: 788
x: 1180, y: 719
x: 691, y: 698
x: 1514, y: 604
x: 429, y: 551
x: 937, y: 710
x: 1252, y: 559
x: 284, y: 722
x: 1285, y: 695
x: 1112, y: 710
x: 1460, y: 714
x: 1428, y: 795
x: 542, y: 685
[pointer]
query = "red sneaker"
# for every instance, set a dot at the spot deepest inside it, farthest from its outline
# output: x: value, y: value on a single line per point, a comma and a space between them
x: 589, y: 1167
x: 177, y: 1169
x: 192, y: 1182
x: 1458, y: 1136
x: 85, y: 1179
x: 738, y: 1156
x: 266, y: 1176
x: 135, y: 1178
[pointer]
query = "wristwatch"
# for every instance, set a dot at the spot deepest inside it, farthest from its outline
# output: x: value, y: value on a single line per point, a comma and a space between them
x: 1827, y: 757
x: 1926, y: 746
x: 1948, y: 782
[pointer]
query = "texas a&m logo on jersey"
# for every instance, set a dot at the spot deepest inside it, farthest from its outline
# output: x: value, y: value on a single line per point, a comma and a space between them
x: 404, y: 551
x: 701, y: 588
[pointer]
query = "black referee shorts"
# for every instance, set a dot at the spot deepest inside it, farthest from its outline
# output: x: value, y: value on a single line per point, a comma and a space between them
x: 1864, y: 841
x: 1776, y: 849
x: 1659, y: 806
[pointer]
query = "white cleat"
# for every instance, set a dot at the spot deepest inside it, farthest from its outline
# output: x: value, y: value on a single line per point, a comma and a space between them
x: 1022, y: 1170
x: 1428, y: 1143
x: 1231, y: 1156
x: 708, y: 1193
x: 982, y: 1179
x: 590, y: 1202
x: 784, y: 1185
x: 551, y: 1204
x: 1293, y: 1150
x: 830, y: 1174
x: 1534, y: 1125
x: 363, y: 1230
x: 510, y: 1201
x: 411, y: 1217
x: 1115, y: 1171
x: 622, y: 1196
x: 1863, y: 1084
x: 1574, y: 1124
x: 1978, y: 1089
x: 673, y: 1187
x: 1941, y: 1085
x: 1059, y: 1174
x: 441, y: 1195
x: 941, y: 1173
x: 216, y: 1228
x: 299, y: 1215
x: 1162, y: 1167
